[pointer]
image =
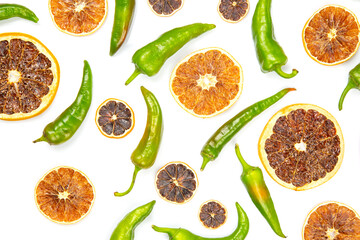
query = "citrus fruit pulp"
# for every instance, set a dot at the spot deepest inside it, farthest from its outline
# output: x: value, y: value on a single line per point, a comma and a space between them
x: 29, y: 76
x: 331, y: 35
x: 115, y: 118
x: 212, y: 214
x: 78, y: 17
x: 332, y: 221
x: 64, y: 195
x: 301, y: 146
x: 207, y: 82
x: 165, y: 7
x: 233, y: 11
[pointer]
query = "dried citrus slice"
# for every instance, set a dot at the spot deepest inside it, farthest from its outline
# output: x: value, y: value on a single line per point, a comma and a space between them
x: 29, y: 76
x: 301, y: 146
x: 64, y: 195
x: 115, y: 118
x: 78, y: 17
x: 207, y: 82
x: 332, y: 221
x: 165, y: 8
x: 212, y: 214
x: 331, y: 35
x: 176, y: 182
x: 233, y: 11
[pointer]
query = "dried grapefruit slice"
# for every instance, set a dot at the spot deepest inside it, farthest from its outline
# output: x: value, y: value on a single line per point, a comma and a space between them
x: 29, y: 76
x: 212, y: 214
x: 64, y: 195
x: 207, y: 82
x: 301, y: 146
x: 331, y: 35
x: 233, y: 11
x: 115, y: 118
x: 165, y: 8
x: 78, y: 17
x: 332, y: 221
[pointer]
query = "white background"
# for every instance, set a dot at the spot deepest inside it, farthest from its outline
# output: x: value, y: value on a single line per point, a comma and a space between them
x: 107, y: 161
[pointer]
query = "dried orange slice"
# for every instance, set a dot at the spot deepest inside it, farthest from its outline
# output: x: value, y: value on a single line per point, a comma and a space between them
x: 332, y: 221
x: 301, y: 146
x: 233, y: 11
x: 115, y: 118
x: 64, y: 195
x: 165, y: 8
x: 176, y: 182
x: 29, y: 76
x: 331, y: 35
x: 78, y: 17
x: 207, y: 82
x: 212, y: 214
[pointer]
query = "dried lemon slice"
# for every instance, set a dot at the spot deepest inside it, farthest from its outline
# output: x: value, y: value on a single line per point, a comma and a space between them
x: 233, y: 11
x: 165, y: 8
x: 212, y: 214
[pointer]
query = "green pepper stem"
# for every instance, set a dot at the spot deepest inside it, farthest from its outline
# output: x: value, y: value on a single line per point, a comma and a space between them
x: 171, y: 231
x: 41, y: 139
x: 117, y: 194
x: 133, y: 76
x: 349, y: 86
x: 279, y: 71
x: 244, y: 164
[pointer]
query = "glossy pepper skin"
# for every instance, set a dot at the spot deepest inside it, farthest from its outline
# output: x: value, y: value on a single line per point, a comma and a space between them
x: 353, y: 82
x: 14, y: 10
x: 126, y: 227
x: 150, y: 58
x: 144, y: 155
x: 239, y: 233
x: 254, y: 182
x: 68, y: 122
x: 122, y: 20
x: 227, y: 131
x: 269, y: 53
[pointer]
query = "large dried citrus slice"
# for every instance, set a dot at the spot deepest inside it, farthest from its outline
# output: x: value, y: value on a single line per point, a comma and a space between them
x: 29, y: 76
x: 115, y: 118
x: 207, y: 82
x: 64, y: 195
x: 332, y: 221
x: 212, y: 214
x: 301, y: 146
x: 233, y: 11
x: 331, y: 35
x: 78, y: 17
x: 165, y: 8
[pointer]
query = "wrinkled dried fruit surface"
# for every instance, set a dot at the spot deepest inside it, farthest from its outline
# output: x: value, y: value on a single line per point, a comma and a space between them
x: 233, y: 10
x: 212, y: 214
x: 165, y: 7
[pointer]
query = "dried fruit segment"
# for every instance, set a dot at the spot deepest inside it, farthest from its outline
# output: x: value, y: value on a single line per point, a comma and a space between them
x: 233, y: 11
x: 165, y: 7
x: 212, y: 214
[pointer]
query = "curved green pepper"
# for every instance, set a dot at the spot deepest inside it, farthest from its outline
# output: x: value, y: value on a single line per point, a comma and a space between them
x: 144, y: 155
x: 126, y: 227
x: 269, y: 53
x: 65, y: 125
x: 150, y: 58
x: 239, y: 233
x: 14, y: 10
x: 353, y: 82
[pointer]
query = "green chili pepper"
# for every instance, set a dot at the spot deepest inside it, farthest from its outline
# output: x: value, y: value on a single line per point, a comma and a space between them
x: 122, y: 20
x: 144, y: 155
x: 227, y: 131
x: 126, y: 227
x: 65, y: 125
x: 150, y: 58
x: 253, y: 180
x: 353, y: 82
x: 269, y: 53
x: 14, y: 10
x: 182, y: 234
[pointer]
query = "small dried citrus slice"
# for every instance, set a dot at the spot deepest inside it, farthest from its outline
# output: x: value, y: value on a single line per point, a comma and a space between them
x: 332, y: 221
x: 331, y: 35
x: 176, y: 182
x: 207, y: 82
x: 165, y: 8
x: 64, y: 195
x: 301, y: 146
x: 78, y: 17
x: 233, y: 11
x: 212, y: 214
x: 115, y: 118
x: 29, y: 76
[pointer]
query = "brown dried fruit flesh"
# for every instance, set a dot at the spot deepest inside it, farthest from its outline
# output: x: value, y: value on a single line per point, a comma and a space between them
x: 176, y: 182
x: 331, y: 35
x: 212, y: 214
x: 64, y: 195
x: 165, y: 7
x: 207, y: 82
x: 233, y: 11
x: 332, y: 221
x: 301, y: 146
